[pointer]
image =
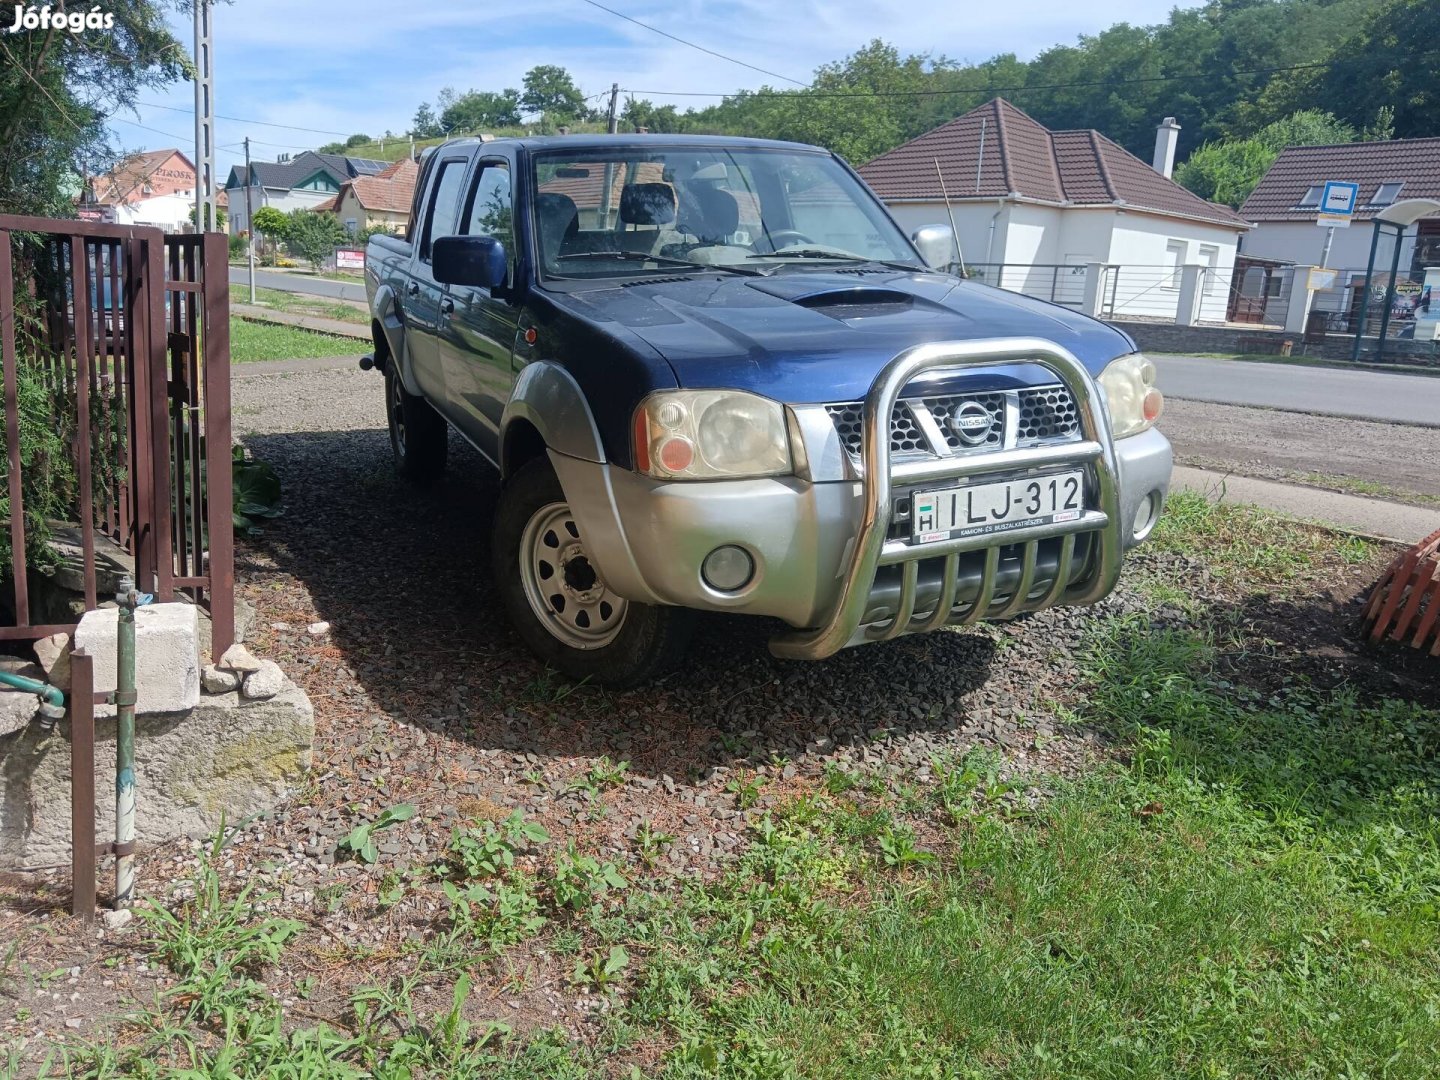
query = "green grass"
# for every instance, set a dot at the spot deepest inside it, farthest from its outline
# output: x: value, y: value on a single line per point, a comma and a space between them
x: 1253, y: 546
x: 1370, y: 488
x: 304, y: 304
x: 1256, y: 894
x: 250, y: 341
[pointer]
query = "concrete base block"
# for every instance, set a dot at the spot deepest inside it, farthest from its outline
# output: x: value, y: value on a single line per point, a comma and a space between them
x: 167, y: 656
x: 225, y: 756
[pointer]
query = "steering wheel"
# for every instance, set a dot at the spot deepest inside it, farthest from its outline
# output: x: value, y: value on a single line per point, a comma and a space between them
x: 783, y: 238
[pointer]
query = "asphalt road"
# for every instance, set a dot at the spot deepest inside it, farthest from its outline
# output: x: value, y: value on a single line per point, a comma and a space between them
x: 300, y: 283
x: 1366, y: 395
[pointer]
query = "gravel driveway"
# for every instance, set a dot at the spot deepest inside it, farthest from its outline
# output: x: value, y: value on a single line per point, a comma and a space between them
x: 421, y: 691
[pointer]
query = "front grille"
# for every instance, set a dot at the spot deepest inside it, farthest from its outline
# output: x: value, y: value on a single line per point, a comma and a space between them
x: 1044, y: 414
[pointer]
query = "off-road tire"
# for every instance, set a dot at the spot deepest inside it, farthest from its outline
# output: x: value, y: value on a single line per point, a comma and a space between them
x: 418, y: 435
x: 651, y: 639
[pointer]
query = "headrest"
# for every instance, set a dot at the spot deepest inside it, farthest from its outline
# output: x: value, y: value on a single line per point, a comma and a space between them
x: 717, y: 213
x: 555, y: 206
x: 647, y: 204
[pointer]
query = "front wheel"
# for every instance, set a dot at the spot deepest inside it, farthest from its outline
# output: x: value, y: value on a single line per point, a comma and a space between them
x: 558, y: 602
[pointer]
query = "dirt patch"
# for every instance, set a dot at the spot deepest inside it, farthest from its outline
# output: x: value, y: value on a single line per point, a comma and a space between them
x: 1396, y: 459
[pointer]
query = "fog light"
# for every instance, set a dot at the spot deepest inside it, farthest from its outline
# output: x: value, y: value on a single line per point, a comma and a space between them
x: 728, y: 568
x: 1146, y: 515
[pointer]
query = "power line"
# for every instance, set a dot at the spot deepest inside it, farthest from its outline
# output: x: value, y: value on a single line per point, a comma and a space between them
x: 691, y: 44
x: 245, y: 120
x: 168, y: 134
x: 808, y: 93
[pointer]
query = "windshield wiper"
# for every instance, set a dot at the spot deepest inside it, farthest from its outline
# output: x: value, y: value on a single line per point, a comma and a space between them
x: 664, y: 260
x: 833, y: 256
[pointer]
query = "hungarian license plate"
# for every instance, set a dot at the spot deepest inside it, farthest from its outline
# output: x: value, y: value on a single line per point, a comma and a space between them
x: 981, y: 509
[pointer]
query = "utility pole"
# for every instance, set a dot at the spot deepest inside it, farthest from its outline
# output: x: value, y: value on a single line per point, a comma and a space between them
x: 612, y: 125
x: 249, y: 219
x: 204, y: 119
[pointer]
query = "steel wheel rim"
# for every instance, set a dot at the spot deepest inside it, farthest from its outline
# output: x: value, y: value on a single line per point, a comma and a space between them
x: 564, y: 590
x: 397, y: 414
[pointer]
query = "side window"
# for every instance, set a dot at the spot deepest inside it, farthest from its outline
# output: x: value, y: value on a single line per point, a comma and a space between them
x: 490, y: 207
x: 444, y: 205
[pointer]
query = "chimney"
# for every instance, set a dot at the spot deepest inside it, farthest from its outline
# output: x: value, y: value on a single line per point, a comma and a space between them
x: 1166, y: 136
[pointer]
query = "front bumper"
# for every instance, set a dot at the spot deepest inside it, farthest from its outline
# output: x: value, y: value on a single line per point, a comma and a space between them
x: 827, y: 561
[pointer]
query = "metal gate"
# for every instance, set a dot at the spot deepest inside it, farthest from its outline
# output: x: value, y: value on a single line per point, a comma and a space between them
x: 124, y: 333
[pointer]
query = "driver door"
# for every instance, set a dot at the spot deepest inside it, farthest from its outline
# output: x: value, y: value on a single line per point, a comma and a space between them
x: 477, y: 330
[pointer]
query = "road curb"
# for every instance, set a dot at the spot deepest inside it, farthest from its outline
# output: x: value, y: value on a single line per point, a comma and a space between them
x: 1349, y: 515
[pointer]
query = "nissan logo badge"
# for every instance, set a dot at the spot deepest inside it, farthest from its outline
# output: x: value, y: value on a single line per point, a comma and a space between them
x: 971, y: 423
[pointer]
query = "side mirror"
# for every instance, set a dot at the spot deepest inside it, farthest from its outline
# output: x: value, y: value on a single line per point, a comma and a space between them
x: 468, y: 260
x: 936, y: 244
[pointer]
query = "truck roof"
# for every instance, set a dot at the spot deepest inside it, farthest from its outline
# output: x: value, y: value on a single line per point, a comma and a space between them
x: 628, y: 140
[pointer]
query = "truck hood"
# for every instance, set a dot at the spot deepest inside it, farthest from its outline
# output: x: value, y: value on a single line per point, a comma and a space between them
x: 813, y: 335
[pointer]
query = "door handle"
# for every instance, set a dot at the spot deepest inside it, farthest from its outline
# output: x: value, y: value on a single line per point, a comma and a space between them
x: 447, y: 306
x: 413, y: 289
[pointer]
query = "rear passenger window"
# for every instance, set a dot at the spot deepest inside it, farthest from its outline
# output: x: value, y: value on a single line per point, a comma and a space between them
x: 445, y: 206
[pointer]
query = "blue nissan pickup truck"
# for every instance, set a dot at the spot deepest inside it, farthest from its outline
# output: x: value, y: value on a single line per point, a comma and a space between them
x: 715, y: 375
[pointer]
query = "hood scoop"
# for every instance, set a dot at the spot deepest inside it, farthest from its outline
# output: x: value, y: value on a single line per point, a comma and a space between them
x: 839, y: 298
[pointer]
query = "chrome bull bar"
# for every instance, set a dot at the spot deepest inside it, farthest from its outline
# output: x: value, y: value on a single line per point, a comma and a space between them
x: 872, y: 549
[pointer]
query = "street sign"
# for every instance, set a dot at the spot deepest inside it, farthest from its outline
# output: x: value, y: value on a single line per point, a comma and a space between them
x: 1337, y: 203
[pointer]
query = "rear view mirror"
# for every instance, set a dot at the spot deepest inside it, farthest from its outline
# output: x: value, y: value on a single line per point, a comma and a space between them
x: 469, y: 260
x: 936, y: 244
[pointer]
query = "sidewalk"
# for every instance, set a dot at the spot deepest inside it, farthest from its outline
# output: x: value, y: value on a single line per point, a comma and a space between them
x: 1352, y: 513
x: 305, y: 322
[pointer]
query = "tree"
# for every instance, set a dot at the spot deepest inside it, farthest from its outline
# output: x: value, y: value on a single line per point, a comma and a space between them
x: 58, y: 89
x: 314, y: 237
x: 1228, y: 171
x: 550, y: 91
x: 425, y: 125
x: 476, y: 110
x: 221, y: 217
x: 1389, y: 62
x: 270, y: 223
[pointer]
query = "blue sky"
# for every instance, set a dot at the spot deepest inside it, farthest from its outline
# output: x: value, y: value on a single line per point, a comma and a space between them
x: 364, y: 65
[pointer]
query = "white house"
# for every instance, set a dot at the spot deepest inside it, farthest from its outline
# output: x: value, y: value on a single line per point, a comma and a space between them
x: 1033, y: 208
x: 154, y: 187
x: 1285, y: 204
x: 302, y: 182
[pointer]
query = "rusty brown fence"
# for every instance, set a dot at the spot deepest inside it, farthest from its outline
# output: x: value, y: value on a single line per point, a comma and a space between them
x: 127, y: 331
x: 115, y: 349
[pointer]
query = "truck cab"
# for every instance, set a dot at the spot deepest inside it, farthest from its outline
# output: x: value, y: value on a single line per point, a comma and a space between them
x: 715, y: 375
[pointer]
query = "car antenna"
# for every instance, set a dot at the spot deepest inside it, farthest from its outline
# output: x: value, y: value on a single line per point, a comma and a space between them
x: 950, y: 210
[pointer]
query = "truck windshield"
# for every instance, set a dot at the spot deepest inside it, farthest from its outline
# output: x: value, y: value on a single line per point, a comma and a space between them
x: 713, y: 207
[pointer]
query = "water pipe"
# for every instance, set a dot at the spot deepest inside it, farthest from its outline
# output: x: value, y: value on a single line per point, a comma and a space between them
x: 124, y: 701
x: 48, y: 694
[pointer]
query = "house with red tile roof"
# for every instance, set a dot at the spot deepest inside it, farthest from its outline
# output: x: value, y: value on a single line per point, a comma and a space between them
x: 1285, y: 205
x: 1033, y: 207
x: 379, y: 201
x: 155, y: 187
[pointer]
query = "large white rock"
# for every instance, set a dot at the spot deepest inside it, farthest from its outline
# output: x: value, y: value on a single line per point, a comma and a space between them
x: 167, y: 656
x: 226, y: 757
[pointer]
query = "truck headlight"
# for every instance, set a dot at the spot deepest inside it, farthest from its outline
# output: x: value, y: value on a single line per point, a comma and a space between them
x: 710, y: 435
x: 1134, y: 403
